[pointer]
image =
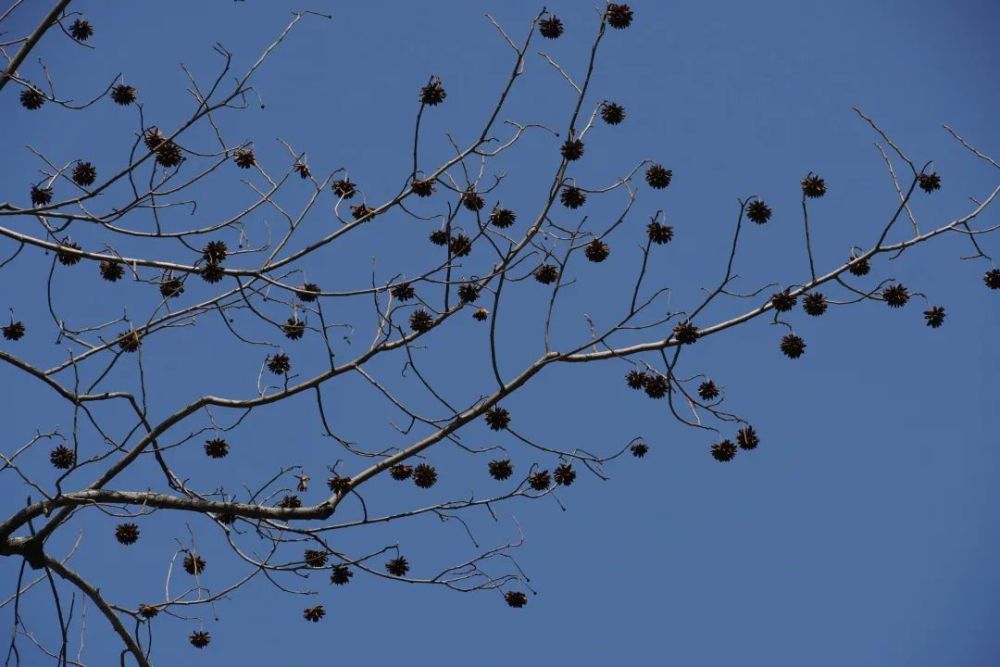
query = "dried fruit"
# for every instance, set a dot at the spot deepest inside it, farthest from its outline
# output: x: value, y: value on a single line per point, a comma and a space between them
x: 793, y: 346
x: 783, y: 301
x: 758, y: 211
x: 813, y: 186
x: 612, y: 113
x: 81, y: 30
x: 540, y: 480
x: 397, y: 567
x: 344, y: 188
x: 62, y: 457
x: 216, y: 448
x: 896, y: 296
x: 194, y: 564
x: 32, y: 98
x: 421, y: 321
x: 572, y: 197
x: 814, y: 303
x: 572, y: 149
x: 84, y: 173
x: 547, y: 274
x: 934, y: 316
x: 659, y: 233
x: 597, y: 251
x: 340, y: 574
x: 424, y: 476
x: 708, y: 391
x: 279, y: 364
x: 724, y: 451
x: 314, y: 614
x: 658, y: 177
x: 308, y: 292
x: 127, y: 533
x: 433, y: 93
x: 639, y: 449
x: 422, y: 188
x: 502, y: 217
x: 929, y: 182
x: 501, y: 469
x: 515, y: 599
x: 564, y: 475
x: 293, y: 328
x: 619, y: 16
x: 111, y: 270
x: 14, y: 331
x: 550, y: 27
x: 401, y: 471
x: 403, y: 291
x: 747, y: 438
x: 200, y: 638
x: 686, y: 333
x: 498, y: 418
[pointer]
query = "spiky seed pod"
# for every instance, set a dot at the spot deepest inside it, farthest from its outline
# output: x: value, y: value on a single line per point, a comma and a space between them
x: 440, y: 237
x: 244, y: 158
x: 401, y: 472
x: 308, y: 292
x: 123, y: 94
x: 169, y: 155
x: 127, y: 533
x: 481, y: 314
x: 215, y: 252
x: 501, y: 469
x: 597, y: 251
x: 433, y: 93
x: 686, y: 333
x: 992, y: 278
x: 793, y: 346
x: 636, y: 379
x: 515, y: 599
x: 171, y: 288
x: 422, y: 188
x: 540, y: 480
x: 360, y: 211
x: 814, y: 303
x: 339, y: 483
x: 14, y: 331
x: 813, y: 186
x: 659, y: 234
x: 32, y: 98
x: 639, y: 449
x: 212, y: 273
x: 148, y: 611
x: 112, y: 271
x: 314, y: 614
x: 62, y: 457
x: 403, y: 291
x: 550, y: 27
x: 934, y: 316
x: 397, y: 567
x: 612, y: 113
x: 200, y: 638
x: 153, y: 138
x: 929, y: 182
x: 293, y: 328
x: 747, y: 438
x: 460, y: 246
x: 502, y: 218
x: 473, y: 201
x: 194, y: 564
x: 315, y: 558
x: 468, y: 292
x: 84, y: 173
x: 564, y: 475
x: 572, y: 149
x: 424, y: 476
x: 290, y: 502
x: 619, y: 16
x: 758, y: 211
x: 66, y: 255
x: 421, y: 320
x: 708, y: 391
x: 279, y: 364
x: 656, y: 386
x: 81, y: 30
x: 344, y: 188
x: 340, y: 575
x: 572, y: 197
x: 547, y: 274
x: 859, y: 267
x: 302, y: 169
x: 130, y: 341
x: 226, y: 518
x: 724, y: 451
x: 216, y: 448
x: 40, y: 196
x: 498, y: 418
x: 783, y: 301
x: 896, y: 295
x: 658, y: 177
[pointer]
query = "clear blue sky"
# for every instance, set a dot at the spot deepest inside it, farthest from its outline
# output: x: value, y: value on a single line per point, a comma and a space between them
x: 862, y: 532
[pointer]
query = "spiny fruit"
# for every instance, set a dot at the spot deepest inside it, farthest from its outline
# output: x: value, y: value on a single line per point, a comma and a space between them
x: 813, y: 186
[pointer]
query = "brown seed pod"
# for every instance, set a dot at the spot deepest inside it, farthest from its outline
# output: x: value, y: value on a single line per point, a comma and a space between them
x: 279, y: 364
x: 793, y: 346
x: 81, y: 30
x: 340, y: 575
x: 747, y: 438
x: 502, y: 218
x: 724, y: 451
x: 111, y: 270
x: 421, y: 321
x: 32, y: 98
x: 572, y: 149
x: 216, y: 448
x: 308, y: 292
x: 422, y: 188
x: 547, y: 274
x: 814, y: 304
x: 550, y: 27
x: 433, y: 93
x: 244, y: 158
x: 934, y: 316
x: 758, y: 211
x: 62, y: 458
x: 194, y: 564
x: 572, y: 197
x: 515, y: 599
x: 127, y: 533
x: 403, y: 291
x: 501, y: 469
x: 14, y: 331
x: 783, y: 301
x: 929, y: 182
x: 314, y: 614
x: 498, y: 418
x: 612, y: 113
x: 200, y: 638
x: 401, y: 471
x: 84, y: 173
x: 424, y: 476
x: 540, y: 480
x: 344, y: 188
x: 686, y: 333
x: 896, y: 295
x: 597, y: 251
x: 315, y: 558
x: 293, y: 328
x: 708, y: 391
x: 130, y: 341
x: 813, y: 186
x: 658, y: 233
x: 639, y: 449
x: 564, y: 475
x: 657, y: 177
x: 397, y: 567
x: 619, y: 16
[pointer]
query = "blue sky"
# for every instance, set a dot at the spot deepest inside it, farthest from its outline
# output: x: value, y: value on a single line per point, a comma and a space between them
x: 863, y: 531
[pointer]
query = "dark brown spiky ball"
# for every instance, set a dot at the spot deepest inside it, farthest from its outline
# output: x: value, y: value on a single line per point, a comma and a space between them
x: 194, y: 564
x: 424, y: 476
x: 498, y: 418
x: 747, y: 438
x: 612, y: 113
x: 686, y: 333
x: 422, y: 188
x: 783, y: 301
x: 473, y: 201
x: 212, y: 273
x: 344, y: 188
x: 636, y: 379
x: 279, y: 364
x: 515, y: 599
x: 724, y: 451
x: 315, y: 558
x: 758, y: 211
x: 597, y: 251
x: 293, y: 328
x: 216, y: 448
x: 421, y: 320
x: 550, y: 27
x: 32, y: 98
x: 200, y: 638
x: 992, y: 278
x: 403, y: 291
x: 81, y: 30
x: 501, y: 469
x: 896, y: 295
x: 339, y: 483
x: 934, y: 316
x: 130, y: 341
x: 572, y: 149
x: 708, y: 391
x: 502, y: 218
x: 656, y: 386
x: 859, y: 267
x: 540, y: 480
x: 314, y: 614
x: 14, y: 331
x: 397, y: 567
x: 40, y: 196
x: 361, y: 211
x: 401, y: 471
x: 215, y: 252
x: 658, y: 177
x: 340, y: 575
x: 127, y: 533
x: 658, y: 233
x: 440, y: 237
x: 308, y: 292
x: 68, y: 254
x: 619, y: 16
x: 814, y: 304
x: 168, y: 155
x: 468, y: 292
x: 62, y: 457
x: 244, y: 158
x: 433, y: 93
x: 564, y: 475
x: 793, y: 346
x: 148, y: 611
x: 290, y: 502
x: 84, y: 173
x: 639, y: 449
x: 111, y: 270
x: 547, y: 274
x: 460, y: 246
x: 929, y: 182
x: 813, y: 186
x: 572, y: 197
x: 481, y: 314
